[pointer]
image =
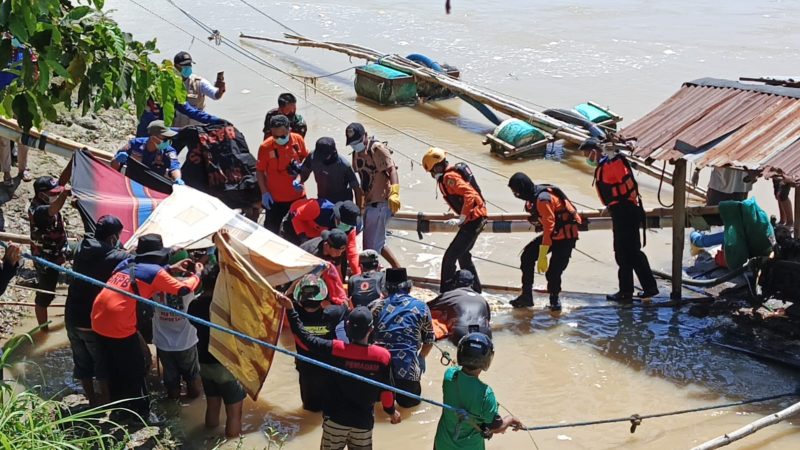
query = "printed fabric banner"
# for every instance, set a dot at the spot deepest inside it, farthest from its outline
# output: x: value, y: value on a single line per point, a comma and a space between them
x: 243, y: 301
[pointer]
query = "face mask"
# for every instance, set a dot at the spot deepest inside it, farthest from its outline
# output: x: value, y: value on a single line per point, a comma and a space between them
x: 283, y: 140
x: 163, y: 145
x: 437, y: 176
x: 358, y: 147
x: 16, y: 43
x: 344, y: 227
x: 52, y: 198
x: 186, y: 72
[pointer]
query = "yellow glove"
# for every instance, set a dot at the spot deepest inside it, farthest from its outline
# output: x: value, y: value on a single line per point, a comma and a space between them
x: 541, y: 264
x: 394, y: 198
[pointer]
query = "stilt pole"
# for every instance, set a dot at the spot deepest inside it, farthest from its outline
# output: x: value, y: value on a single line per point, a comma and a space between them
x: 797, y: 212
x: 678, y: 226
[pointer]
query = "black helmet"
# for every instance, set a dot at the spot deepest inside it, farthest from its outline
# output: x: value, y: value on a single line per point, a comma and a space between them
x: 475, y: 351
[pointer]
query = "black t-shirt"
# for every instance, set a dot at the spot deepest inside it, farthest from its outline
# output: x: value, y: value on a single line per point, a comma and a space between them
x: 321, y: 323
x: 201, y: 308
x: 366, y: 287
x: 461, y: 309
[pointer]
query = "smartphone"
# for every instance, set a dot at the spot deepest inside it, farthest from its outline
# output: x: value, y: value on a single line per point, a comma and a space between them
x: 220, y: 77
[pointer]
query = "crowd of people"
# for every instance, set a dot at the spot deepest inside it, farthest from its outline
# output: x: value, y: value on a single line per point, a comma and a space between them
x: 374, y: 327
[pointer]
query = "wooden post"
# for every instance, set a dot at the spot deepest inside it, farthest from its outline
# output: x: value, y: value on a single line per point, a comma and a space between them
x: 678, y: 226
x: 797, y: 212
x: 750, y: 428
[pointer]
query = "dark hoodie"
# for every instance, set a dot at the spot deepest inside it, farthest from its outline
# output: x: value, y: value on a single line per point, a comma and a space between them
x: 522, y: 185
x: 97, y: 260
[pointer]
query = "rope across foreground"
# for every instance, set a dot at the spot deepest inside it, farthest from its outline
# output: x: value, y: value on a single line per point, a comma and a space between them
x: 635, y: 419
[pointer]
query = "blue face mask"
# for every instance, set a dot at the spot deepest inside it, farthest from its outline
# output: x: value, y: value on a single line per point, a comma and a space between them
x: 186, y: 72
x: 16, y: 43
x: 283, y: 140
x: 358, y: 147
x: 163, y: 145
x: 344, y: 227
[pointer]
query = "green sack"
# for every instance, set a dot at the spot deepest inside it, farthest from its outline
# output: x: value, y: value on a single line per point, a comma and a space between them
x: 748, y: 231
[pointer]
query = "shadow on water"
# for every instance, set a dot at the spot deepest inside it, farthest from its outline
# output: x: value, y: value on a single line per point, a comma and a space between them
x: 673, y: 345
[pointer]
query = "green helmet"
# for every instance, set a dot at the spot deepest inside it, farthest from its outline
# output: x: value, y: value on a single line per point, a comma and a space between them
x: 310, y: 287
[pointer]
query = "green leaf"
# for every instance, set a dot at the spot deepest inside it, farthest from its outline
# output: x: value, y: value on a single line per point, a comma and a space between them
x: 58, y: 68
x: 99, y: 3
x: 77, y: 67
x: 22, y: 111
x: 79, y: 12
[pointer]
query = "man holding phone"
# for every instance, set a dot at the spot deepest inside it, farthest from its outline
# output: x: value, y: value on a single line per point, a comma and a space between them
x: 197, y: 87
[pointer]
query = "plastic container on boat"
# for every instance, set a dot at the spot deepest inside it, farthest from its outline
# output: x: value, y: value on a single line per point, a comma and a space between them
x: 518, y: 133
x: 593, y: 113
x: 385, y: 85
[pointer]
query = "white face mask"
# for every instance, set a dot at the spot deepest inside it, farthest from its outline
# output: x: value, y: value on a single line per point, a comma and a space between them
x: 358, y: 147
x: 437, y: 176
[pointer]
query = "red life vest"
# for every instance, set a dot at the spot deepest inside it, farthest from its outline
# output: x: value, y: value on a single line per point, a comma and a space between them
x: 614, y: 181
x: 566, y: 216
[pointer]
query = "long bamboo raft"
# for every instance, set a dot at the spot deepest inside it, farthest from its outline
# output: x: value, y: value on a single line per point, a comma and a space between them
x: 556, y: 128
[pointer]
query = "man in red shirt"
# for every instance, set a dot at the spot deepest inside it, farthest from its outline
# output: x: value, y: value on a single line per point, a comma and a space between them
x: 463, y: 196
x: 277, y: 170
x: 114, y: 317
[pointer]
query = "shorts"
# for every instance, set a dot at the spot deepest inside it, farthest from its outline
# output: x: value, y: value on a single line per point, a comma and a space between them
x: 176, y: 365
x: 337, y: 437
x: 219, y: 382
x: 413, y: 387
x: 376, y: 216
x: 86, y: 355
x: 713, y: 197
x: 781, y: 190
x: 47, y: 281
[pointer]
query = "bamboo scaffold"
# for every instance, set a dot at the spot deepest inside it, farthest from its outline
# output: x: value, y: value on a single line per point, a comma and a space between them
x: 750, y: 428
x: 556, y: 128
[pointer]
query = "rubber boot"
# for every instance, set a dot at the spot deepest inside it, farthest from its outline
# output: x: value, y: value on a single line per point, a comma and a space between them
x: 642, y: 295
x: 555, y: 304
x: 524, y: 300
x: 620, y: 297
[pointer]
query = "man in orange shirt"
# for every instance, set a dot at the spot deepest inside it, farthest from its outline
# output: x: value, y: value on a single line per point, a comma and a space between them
x: 114, y: 317
x: 550, y: 209
x: 462, y: 194
x: 277, y: 170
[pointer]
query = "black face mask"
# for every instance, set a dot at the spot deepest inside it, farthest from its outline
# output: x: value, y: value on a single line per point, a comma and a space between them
x: 310, y: 304
x: 330, y: 159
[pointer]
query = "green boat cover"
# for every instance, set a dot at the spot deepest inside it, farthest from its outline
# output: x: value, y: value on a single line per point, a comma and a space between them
x: 748, y: 232
x: 384, y: 72
x: 593, y: 113
x: 518, y: 133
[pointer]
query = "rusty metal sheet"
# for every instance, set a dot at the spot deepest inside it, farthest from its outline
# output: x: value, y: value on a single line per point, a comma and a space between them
x: 767, y: 134
x: 785, y: 163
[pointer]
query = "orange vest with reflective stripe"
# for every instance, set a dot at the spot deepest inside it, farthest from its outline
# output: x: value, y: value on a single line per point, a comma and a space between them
x: 614, y: 181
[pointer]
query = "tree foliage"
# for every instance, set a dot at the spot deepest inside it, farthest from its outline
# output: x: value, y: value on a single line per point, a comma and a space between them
x: 75, y: 55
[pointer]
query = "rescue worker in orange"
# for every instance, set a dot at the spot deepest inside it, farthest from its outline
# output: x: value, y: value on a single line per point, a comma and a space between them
x: 619, y: 193
x: 463, y: 196
x: 278, y: 170
x: 550, y: 209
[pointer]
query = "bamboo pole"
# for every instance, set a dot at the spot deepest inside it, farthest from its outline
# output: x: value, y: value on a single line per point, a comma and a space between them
x: 678, y: 227
x: 591, y: 214
x: 750, y: 428
x: 40, y: 139
x: 797, y: 212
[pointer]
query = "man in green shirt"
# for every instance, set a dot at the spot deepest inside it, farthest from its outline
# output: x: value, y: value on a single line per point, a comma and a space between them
x: 464, y: 390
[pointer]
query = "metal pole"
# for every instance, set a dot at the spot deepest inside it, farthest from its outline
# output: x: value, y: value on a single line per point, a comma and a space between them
x: 678, y: 226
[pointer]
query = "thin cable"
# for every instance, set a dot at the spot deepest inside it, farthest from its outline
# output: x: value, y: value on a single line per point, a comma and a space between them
x: 636, y: 418
x: 252, y: 56
x: 530, y: 433
x: 442, y: 248
x: 271, y: 18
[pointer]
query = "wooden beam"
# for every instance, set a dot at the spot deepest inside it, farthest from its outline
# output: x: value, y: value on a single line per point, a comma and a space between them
x: 678, y: 226
x: 797, y: 212
x: 589, y: 213
x: 750, y: 428
x: 41, y: 140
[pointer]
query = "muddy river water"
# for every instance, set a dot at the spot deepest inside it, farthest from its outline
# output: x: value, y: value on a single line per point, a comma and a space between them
x: 596, y: 360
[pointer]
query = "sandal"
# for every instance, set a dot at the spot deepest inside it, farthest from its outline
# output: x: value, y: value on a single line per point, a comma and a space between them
x: 26, y: 176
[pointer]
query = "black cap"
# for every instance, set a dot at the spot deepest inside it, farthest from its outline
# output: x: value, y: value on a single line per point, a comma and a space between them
x: 347, y: 212
x: 107, y: 226
x: 325, y: 147
x: 336, y: 238
x: 464, y: 278
x: 359, y: 323
x: 278, y: 121
x: 47, y: 184
x: 354, y: 132
x: 182, y: 59
x: 151, y: 245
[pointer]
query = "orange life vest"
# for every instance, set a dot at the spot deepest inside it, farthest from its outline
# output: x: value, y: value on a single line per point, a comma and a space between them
x: 614, y: 181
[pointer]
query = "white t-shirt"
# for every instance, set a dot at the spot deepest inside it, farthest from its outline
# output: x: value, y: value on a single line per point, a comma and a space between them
x: 729, y: 181
x: 171, y: 332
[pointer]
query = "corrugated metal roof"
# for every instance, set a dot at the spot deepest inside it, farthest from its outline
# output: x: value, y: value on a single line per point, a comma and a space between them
x: 722, y: 123
x: 785, y: 163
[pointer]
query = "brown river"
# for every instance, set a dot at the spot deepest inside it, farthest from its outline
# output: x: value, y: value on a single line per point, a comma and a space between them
x: 596, y: 360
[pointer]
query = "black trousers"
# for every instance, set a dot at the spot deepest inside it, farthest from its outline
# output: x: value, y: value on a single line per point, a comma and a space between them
x: 126, y: 372
x: 560, y: 253
x: 459, y: 252
x: 275, y: 214
x: 414, y: 387
x: 313, y: 386
x: 626, y: 221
